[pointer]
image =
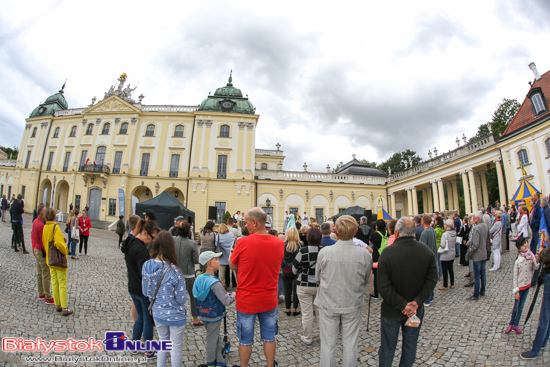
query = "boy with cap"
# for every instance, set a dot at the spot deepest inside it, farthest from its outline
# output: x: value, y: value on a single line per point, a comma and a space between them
x: 211, y: 299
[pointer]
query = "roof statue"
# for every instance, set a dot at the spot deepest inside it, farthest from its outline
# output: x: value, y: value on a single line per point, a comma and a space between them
x: 125, y: 94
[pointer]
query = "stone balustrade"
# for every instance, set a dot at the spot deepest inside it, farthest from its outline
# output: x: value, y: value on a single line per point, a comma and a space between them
x: 161, y: 108
x: 318, y: 177
x: 69, y: 112
x: 269, y: 152
x: 8, y: 162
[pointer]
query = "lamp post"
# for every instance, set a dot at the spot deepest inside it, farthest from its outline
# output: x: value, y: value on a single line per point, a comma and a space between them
x: 267, y: 202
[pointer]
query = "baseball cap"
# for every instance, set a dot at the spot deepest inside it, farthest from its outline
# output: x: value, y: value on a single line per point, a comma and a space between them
x: 179, y: 218
x: 206, y: 256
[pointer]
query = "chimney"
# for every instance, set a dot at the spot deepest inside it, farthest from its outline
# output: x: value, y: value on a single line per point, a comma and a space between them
x: 533, y: 68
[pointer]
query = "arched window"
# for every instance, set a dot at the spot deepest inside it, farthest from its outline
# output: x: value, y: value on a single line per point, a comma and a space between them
x: 89, y: 129
x: 73, y: 132
x: 224, y: 131
x: 106, y: 128
x: 264, y: 165
x: 100, y: 155
x: 56, y: 133
x: 178, y: 131
x: 123, y: 128
x: 522, y: 156
x: 150, y: 130
x: 547, y: 143
x: 33, y: 133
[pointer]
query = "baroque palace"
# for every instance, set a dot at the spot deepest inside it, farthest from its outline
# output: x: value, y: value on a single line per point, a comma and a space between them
x: 117, y: 152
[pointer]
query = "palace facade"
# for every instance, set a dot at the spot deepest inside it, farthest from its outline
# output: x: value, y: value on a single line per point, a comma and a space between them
x: 117, y: 152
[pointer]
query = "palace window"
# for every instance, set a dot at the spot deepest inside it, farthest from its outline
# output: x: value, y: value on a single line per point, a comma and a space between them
x: 123, y: 129
x: 50, y: 160
x: 56, y: 133
x: 178, y: 131
x: 264, y: 166
x: 90, y: 129
x: 73, y: 132
x: 150, y: 130
x: 33, y: 133
x: 83, y: 157
x: 66, y: 162
x: 112, y: 207
x: 100, y: 155
x: 222, y: 166
x: 522, y: 156
x: 106, y: 128
x: 174, y: 165
x: 220, y: 211
x: 28, y: 159
x: 144, y: 171
x: 224, y: 131
x: 118, y: 161
x: 547, y: 143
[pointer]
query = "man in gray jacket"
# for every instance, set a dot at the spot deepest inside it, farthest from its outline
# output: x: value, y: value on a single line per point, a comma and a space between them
x: 343, y: 270
x: 429, y: 237
x: 478, y: 245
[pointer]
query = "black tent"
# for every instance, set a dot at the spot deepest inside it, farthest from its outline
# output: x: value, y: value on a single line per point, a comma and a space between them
x: 166, y: 208
x: 355, y: 211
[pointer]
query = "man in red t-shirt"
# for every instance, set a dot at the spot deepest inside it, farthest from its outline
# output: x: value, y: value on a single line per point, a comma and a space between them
x: 43, y: 277
x: 257, y: 258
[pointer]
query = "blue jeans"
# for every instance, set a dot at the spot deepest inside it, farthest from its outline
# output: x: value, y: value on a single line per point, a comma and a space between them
x: 144, y: 321
x: 389, y: 333
x: 543, y: 330
x: 518, y: 307
x: 268, y: 326
x: 479, y: 275
x: 430, y: 298
x: 439, y: 269
x: 457, y: 250
x: 72, y: 245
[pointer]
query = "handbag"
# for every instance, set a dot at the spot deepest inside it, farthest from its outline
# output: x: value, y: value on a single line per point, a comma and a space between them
x: 156, y: 291
x: 55, y: 257
x: 75, y: 236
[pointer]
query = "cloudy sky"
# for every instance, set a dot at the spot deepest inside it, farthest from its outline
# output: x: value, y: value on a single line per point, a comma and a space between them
x: 328, y: 79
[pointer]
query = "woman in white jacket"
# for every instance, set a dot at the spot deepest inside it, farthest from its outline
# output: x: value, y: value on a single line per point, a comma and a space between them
x: 496, y: 235
x: 447, y: 254
x: 523, y: 221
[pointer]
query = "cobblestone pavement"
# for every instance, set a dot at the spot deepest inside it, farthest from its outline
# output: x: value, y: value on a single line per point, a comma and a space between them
x: 455, y: 332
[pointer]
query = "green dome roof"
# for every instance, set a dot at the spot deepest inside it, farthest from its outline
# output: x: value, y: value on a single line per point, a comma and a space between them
x: 55, y: 102
x: 228, y: 99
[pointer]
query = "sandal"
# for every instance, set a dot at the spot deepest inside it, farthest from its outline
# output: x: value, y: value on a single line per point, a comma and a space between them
x: 74, y: 257
x: 288, y: 313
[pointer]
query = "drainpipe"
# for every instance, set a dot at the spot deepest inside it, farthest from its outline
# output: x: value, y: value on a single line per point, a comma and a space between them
x: 42, y: 164
x: 189, y: 162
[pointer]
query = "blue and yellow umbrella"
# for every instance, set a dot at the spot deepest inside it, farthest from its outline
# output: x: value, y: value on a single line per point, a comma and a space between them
x: 525, y: 192
x: 382, y: 214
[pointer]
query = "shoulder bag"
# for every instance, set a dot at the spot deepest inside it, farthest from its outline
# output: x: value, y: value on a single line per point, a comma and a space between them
x: 156, y: 291
x: 55, y: 257
x: 75, y: 233
x: 218, y: 244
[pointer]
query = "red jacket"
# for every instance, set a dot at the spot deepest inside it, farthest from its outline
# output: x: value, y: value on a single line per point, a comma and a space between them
x: 84, y: 226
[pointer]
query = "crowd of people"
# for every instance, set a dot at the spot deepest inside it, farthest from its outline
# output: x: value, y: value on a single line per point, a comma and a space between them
x: 315, y: 269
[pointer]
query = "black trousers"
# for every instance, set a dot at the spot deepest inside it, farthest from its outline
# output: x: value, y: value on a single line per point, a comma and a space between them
x: 463, y: 250
x: 83, y: 241
x: 447, y: 267
x: 120, y: 237
x: 17, y: 237
x: 290, y: 290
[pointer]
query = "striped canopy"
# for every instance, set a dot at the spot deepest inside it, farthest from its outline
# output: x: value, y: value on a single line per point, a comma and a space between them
x: 382, y: 214
x: 525, y: 192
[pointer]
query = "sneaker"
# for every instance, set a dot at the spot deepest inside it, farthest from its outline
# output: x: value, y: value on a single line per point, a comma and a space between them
x: 50, y: 301
x: 373, y: 297
x: 42, y: 296
x: 508, y: 329
x: 134, y: 352
x: 67, y: 312
x: 527, y: 355
x: 443, y: 288
x: 517, y: 330
x: 220, y: 364
x: 303, y: 339
x: 25, y: 252
x: 426, y: 304
x: 151, y: 355
x: 472, y: 298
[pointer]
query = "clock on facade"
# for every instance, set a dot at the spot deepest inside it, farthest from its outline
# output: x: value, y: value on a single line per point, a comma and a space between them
x: 227, y: 105
x: 41, y: 110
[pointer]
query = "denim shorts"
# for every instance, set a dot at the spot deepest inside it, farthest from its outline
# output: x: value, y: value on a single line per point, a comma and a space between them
x: 268, y: 326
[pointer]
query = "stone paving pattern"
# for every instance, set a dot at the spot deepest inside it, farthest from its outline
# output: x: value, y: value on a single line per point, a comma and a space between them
x: 455, y: 332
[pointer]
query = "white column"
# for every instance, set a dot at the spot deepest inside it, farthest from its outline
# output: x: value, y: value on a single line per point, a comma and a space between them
x: 409, y: 202
x: 501, y: 186
x: 450, y: 195
x: 467, y: 205
x: 455, y: 196
x: 441, y: 195
x: 473, y: 192
x: 392, y: 201
x: 429, y: 198
x: 484, y: 189
x: 425, y: 200
x: 414, y: 200
x: 435, y: 193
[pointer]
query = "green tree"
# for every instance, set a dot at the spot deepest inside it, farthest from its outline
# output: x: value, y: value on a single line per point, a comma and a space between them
x: 11, y: 152
x: 397, y: 161
x: 226, y: 216
x: 503, y: 115
x: 482, y: 130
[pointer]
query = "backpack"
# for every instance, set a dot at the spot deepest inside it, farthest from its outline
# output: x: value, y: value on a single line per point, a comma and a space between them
x: 384, y: 242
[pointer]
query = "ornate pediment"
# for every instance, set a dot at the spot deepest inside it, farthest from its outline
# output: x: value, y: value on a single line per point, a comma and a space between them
x: 111, y: 104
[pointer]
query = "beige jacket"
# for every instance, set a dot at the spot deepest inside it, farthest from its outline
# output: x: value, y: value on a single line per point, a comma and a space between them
x: 523, y: 273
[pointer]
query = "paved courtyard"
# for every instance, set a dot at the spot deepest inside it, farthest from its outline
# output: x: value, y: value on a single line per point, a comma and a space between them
x: 455, y: 332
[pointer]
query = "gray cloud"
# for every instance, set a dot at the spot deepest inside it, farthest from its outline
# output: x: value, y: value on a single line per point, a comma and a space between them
x: 535, y: 11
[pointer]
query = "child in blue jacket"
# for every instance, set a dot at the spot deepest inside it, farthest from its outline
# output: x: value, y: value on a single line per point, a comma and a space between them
x: 211, y: 299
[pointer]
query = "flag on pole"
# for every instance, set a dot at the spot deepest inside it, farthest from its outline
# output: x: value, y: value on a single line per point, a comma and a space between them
x: 87, y: 161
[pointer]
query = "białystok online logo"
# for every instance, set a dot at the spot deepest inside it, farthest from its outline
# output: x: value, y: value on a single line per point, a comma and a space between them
x: 114, y: 341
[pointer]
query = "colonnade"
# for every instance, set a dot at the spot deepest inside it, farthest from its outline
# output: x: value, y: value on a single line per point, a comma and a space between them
x: 434, y: 198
